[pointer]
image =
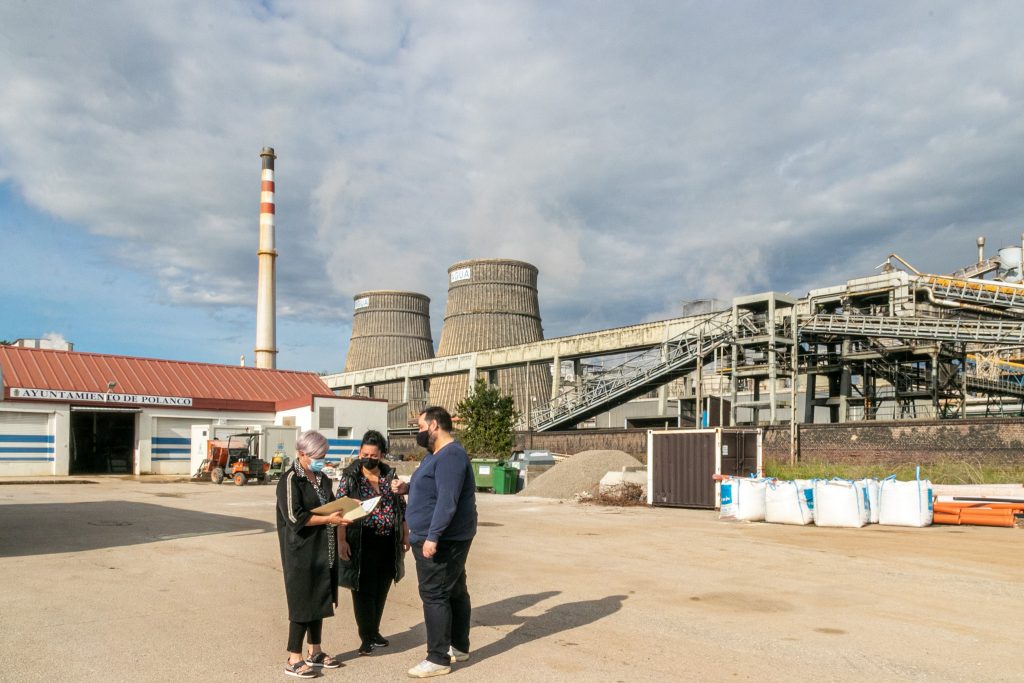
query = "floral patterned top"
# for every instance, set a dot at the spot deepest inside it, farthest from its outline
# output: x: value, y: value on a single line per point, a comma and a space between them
x: 382, y: 519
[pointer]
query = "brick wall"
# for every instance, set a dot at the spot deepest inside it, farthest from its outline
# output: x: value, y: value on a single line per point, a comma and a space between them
x: 983, y: 441
x: 570, y: 442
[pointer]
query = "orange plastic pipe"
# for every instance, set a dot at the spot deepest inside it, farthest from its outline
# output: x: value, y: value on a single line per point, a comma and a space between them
x: 973, y: 517
x: 989, y: 521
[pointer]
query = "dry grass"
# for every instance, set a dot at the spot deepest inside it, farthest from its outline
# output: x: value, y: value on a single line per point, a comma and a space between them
x: 946, y: 471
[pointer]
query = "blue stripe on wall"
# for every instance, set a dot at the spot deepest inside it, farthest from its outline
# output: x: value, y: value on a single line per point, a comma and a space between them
x: 344, y: 442
x: 22, y: 449
x: 27, y: 438
x: 172, y: 439
x: 166, y: 451
x: 5, y: 459
x: 169, y: 459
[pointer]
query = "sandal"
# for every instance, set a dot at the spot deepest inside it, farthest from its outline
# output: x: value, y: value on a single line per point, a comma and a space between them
x: 299, y: 669
x: 322, y: 659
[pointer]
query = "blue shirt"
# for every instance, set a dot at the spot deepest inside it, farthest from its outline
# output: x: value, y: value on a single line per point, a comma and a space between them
x: 442, y: 497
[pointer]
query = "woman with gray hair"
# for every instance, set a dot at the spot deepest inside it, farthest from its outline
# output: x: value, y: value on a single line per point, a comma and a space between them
x: 309, y: 554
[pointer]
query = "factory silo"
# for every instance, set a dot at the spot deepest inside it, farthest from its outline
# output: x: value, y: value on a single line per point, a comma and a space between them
x: 391, y: 327
x: 492, y: 303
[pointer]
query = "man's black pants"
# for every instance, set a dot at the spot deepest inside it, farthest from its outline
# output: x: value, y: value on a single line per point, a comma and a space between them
x: 446, y: 605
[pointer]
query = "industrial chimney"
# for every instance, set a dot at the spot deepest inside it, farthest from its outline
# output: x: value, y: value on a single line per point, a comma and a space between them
x: 266, y: 288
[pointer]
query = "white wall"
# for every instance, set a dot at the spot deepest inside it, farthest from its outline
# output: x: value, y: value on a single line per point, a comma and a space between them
x: 351, y: 418
x: 355, y: 415
x: 146, y: 427
x: 19, y: 458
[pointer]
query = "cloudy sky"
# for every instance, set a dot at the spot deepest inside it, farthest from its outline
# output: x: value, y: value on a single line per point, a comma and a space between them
x: 639, y: 153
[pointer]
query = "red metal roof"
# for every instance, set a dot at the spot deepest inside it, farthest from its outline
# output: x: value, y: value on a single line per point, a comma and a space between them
x: 218, y: 387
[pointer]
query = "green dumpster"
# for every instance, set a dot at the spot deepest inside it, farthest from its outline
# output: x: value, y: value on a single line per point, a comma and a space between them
x: 483, y: 472
x: 505, y: 479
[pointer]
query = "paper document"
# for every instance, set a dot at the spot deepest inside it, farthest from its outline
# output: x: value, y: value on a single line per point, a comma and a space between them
x: 350, y: 508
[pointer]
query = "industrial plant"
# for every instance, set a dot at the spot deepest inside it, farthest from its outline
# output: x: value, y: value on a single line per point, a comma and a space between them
x: 899, y: 344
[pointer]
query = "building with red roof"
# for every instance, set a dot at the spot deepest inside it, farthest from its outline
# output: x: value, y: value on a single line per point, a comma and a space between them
x: 65, y: 412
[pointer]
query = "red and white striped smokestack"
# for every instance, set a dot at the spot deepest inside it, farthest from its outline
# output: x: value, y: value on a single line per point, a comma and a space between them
x: 266, y: 288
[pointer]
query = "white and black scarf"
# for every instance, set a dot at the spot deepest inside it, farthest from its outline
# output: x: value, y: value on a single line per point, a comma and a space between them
x: 322, y: 495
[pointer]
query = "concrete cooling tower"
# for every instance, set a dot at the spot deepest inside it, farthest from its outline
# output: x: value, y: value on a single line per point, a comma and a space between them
x: 492, y: 303
x: 388, y: 328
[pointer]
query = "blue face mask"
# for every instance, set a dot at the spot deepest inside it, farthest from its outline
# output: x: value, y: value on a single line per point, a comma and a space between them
x: 318, y: 464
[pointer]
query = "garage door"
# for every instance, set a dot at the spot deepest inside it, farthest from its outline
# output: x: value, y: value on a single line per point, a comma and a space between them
x: 25, y: 438
x: 172, y: 444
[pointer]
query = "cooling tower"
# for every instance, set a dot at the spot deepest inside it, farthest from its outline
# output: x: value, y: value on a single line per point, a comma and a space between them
x: 389, y: 328
x: 492, y: 303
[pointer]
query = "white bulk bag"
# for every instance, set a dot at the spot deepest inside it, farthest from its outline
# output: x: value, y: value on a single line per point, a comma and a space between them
x: 905, y: 503
x: 785, y: 503
x: 838, y: 502
x: 742, y: 499
x: 806, y: 487
x: 871, y: 485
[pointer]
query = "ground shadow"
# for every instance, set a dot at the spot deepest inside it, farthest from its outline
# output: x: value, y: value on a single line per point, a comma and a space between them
x: 42, y: 529
x: 495, y: 614
x: 563, y: 617
x: 559, y: 618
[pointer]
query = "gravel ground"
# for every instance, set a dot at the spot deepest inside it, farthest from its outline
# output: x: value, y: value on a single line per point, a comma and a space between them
x: 579, y: 474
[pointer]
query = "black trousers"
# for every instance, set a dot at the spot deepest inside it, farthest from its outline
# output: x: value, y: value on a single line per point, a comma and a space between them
x: 376, y: 574
x: 297, y: 630
x: 446, y: 604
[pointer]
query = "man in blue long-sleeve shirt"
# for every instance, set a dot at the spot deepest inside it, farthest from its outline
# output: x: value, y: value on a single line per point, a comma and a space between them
x: 442, y: 522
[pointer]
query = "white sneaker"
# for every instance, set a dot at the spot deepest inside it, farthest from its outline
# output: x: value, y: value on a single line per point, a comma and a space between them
x: 427, y: 669
x: 457, y: 655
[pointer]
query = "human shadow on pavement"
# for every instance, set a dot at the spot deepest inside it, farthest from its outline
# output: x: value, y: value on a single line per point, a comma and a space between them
x: 46, y: 528
x: 559, y: 618
x: 563, y: 617
x: 495, y: 614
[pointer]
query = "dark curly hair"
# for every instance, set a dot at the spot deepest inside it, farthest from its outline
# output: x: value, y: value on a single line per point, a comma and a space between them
x: 374, y: 438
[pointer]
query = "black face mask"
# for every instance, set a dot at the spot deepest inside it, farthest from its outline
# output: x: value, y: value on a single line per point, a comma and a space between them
x: 368, y: 463
x: 423, y: 440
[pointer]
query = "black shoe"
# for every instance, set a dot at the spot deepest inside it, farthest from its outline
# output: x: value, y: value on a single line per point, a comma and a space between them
x: 380, y: 641
x: 365, y: 649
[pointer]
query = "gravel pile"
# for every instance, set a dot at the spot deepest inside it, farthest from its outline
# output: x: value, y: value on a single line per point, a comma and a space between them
x: 580, y: 473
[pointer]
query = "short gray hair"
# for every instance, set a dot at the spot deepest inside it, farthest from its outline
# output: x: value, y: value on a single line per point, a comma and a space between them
x: 311, y: 443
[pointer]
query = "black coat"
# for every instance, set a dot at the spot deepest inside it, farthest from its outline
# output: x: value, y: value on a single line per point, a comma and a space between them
x: 309, y: 581
x: 348, y: 570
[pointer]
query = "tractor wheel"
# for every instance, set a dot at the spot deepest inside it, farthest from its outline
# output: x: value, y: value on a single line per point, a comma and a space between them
x: 240, y: 479
x: 217, y: 475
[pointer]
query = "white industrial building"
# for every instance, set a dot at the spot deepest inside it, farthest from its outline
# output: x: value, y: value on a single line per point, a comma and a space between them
x: 64, y: 412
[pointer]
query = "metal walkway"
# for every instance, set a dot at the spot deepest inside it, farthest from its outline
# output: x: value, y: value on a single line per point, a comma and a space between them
x: 981, y: 292
x: 984, y: 385
x: 636, y: 376
x: 934, y: 329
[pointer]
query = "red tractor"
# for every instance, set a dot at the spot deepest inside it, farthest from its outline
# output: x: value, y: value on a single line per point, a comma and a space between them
x: 236, y: 457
